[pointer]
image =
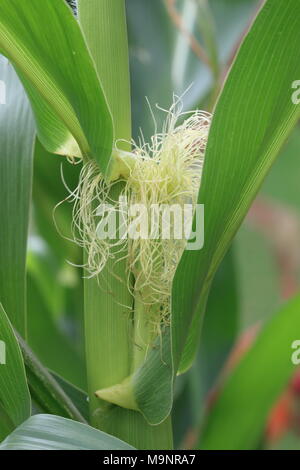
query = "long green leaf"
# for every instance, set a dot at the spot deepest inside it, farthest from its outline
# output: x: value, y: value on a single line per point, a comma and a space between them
x: 237, y: 419
x: 45, y: 43
x: 46, y: 432
x: 17, y: 135
x: 252, y: 119
x: 15, y: 405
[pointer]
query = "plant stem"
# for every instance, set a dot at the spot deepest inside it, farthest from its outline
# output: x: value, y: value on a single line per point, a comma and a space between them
x: 108, y: 307
x: 44, y: 387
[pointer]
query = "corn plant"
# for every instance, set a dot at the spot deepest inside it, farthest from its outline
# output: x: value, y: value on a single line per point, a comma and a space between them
x: 68, y: 144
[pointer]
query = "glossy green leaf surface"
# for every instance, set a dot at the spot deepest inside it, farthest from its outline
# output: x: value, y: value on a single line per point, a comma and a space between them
x: 44, y: 42
x: 46, y: 432
x: 17, y: 134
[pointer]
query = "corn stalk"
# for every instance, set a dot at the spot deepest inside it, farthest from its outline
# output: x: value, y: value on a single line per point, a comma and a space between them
x: 108, y: 324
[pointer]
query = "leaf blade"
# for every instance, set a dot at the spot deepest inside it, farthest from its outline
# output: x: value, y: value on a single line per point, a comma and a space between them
x: 45, y: 43
x: 243, y: 142
x: 47, y: 432
x: 16, y: 142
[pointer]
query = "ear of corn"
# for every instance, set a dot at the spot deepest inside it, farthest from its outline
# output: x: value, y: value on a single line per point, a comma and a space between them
x: 166, y: 172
